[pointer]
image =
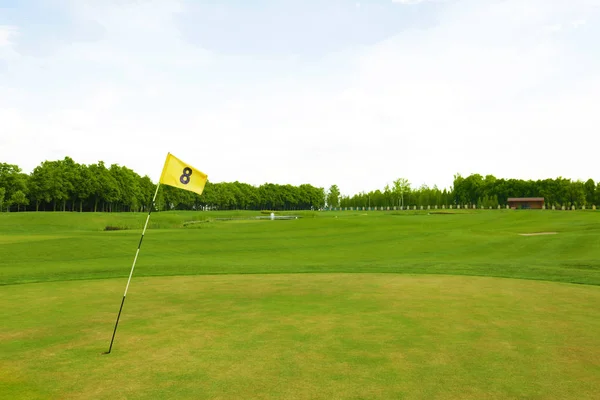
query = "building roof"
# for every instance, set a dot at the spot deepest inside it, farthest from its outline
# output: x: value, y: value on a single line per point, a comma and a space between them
x: 525, y: 199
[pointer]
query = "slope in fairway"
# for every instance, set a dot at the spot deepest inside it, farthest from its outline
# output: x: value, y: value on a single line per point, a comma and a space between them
x: 302, y: 336
x: 66, y: 246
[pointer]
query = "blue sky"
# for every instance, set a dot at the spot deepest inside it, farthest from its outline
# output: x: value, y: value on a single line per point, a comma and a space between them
x: 356, y: 93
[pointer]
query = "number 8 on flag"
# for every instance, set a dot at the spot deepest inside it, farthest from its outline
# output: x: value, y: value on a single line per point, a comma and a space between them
x: 181, y: 175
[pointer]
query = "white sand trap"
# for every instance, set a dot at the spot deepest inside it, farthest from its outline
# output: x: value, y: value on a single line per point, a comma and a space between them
x: 538, y: 233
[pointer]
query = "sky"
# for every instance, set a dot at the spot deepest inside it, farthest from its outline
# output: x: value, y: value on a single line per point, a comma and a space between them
x: 352, y: 93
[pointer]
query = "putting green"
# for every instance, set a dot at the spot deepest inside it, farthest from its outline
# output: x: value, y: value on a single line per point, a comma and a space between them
x: 302, y: 336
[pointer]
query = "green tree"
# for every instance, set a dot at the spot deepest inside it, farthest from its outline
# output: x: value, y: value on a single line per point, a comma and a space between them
x: 317, y: 197
x: 577, y: 194
x: 147, y: 189
x: 19, y: 199
x: 128, y: 188
x: 333, y: 196
x: 270, y: 197
x: 590, y: 191
x: 401, y: 187
x: 105, y: 190
x: 460, y: 190
x: 388, y: 196
x: 304, y: 196
x: 38, y: 190
x: 52, y: 181
x: 377, y: 198
x: 423, y: 196
x: 2, y: 194
x: 46, y: 184
x: 83, y: 184
x: 12, y: 180
x: 473, y: 188
x: 68, y: 170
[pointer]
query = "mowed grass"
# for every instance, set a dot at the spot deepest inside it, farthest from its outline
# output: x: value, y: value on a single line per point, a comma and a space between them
x: 405, y: 305
x: 310, y: 336
x: 64, y: 246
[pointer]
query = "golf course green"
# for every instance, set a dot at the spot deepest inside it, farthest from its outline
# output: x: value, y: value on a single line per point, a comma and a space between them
x: 485, y: 304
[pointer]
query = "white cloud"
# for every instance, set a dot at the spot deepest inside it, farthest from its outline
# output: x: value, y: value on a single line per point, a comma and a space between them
x: 488, y: 90
x: 6, y: 33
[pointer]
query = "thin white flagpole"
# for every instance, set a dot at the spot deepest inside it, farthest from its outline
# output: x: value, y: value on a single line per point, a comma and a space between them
x: 132, y: 267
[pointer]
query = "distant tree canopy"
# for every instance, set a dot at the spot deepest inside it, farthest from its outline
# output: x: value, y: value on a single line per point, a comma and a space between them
x: 476, y: 189
x: 65, y: 185
x: 68, y: 186
x: 483, y: 192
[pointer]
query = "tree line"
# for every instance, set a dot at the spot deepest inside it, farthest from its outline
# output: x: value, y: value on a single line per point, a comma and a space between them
x: 64, y: 185
x: 489, y: 190
x: 475, y: 189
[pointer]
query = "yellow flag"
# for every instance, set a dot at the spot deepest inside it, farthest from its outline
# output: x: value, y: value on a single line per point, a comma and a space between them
x: 179, y: 174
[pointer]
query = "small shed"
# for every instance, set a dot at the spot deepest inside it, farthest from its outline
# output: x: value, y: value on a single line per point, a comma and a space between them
x: 524, y: 203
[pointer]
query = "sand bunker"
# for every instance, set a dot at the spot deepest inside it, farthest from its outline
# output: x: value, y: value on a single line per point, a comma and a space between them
x: 538, y: 233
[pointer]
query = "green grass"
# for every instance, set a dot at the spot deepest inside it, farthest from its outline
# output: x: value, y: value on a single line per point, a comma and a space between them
x: 404, y: 306
x: 66, y: 246
x: 319, y: 336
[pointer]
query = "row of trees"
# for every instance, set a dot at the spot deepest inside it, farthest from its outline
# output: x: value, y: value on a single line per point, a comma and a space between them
x: 399, y: 194
x: 242, y: 196
x: 477, y: 190
x: 65, y: 185
x: 68, y: 186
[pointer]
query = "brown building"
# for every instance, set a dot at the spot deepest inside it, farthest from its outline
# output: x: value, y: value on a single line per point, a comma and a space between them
x: 536, y: 203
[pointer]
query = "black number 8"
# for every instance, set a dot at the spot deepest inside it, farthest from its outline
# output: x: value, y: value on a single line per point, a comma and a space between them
x: 185, y: 178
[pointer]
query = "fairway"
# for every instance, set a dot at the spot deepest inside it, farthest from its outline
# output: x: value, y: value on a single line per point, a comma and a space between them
x: 328, y: 306
x: 40, y: 247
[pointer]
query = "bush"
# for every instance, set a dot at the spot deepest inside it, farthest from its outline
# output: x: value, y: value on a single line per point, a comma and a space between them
x: 115, y: 228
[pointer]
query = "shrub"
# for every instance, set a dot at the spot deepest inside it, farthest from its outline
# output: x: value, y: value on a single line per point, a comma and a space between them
x: 115, y: 228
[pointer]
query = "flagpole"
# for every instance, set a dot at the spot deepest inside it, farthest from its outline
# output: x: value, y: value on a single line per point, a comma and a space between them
x: 132, y: 267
